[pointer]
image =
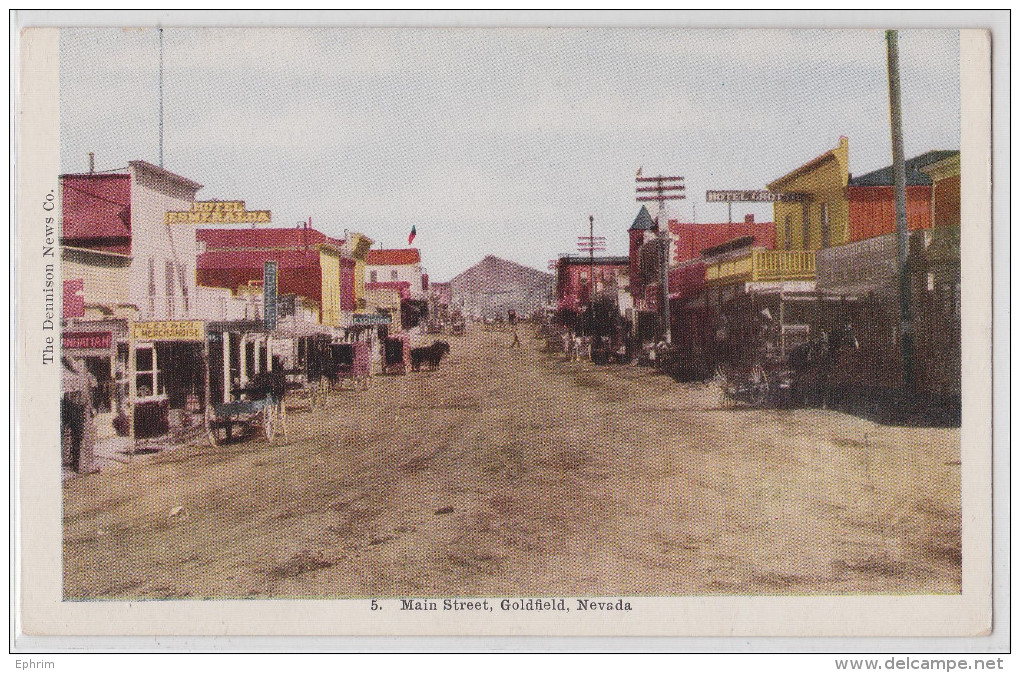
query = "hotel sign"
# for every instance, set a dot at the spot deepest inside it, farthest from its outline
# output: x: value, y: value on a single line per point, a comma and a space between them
x: 755, y: 195
x: 169, y: 330
x: 217, y: 212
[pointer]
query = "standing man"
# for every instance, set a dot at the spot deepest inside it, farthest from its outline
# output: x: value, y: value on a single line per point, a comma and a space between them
x: 512, y: 319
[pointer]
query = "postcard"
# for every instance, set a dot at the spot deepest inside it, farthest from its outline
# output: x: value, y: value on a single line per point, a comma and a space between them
x: 520, y: 330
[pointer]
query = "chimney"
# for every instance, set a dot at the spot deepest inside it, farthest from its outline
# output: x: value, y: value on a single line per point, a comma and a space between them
x: 92, y: 162
x: 749, y: 218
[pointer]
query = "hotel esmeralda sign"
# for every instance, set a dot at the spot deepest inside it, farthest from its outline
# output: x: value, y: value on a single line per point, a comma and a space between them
x: 169, y: 330
x: 217, y: 212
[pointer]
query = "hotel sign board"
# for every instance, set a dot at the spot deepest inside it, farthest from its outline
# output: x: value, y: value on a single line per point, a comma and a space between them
x: 169, y: 330
x: 752, y: 195
x: 217, y: 212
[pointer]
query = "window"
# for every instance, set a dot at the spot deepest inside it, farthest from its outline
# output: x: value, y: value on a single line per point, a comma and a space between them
x: 805, y: 241
x: 788, y: 234
x: 170, y: 308
x: 826, y: 234
x: 152, y: 286
x: 373, y: 277
x: 184, y: 289
x: 146, y: 374
x: 393, y: 275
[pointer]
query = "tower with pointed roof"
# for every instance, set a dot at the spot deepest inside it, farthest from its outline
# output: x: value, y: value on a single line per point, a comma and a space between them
x: 639, y: 231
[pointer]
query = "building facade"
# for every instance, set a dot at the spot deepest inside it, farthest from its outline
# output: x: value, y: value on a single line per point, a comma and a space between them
x: 396, y: 265
x: 820, y: 217
x: 311, y: 265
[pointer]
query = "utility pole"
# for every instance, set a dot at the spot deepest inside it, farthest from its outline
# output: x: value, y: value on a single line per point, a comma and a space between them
x: 161, y: 96
x: 665, y: 188
x: 590, y: 244
x: 900, y: 192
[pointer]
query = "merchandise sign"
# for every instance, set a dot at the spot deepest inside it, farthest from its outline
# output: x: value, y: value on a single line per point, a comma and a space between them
x: 371, y: 319
x: 74, y: 341
x: 169, y: 330
x: 269, y: 295
x: 756, y: 195
x: 217, y: 212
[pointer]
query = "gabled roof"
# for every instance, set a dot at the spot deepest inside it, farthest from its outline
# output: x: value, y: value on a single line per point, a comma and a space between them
x: 883, y: 177
x: 140, y: 164
x: 643, y: 221
x: 831, y: 155
x: 393, y: 257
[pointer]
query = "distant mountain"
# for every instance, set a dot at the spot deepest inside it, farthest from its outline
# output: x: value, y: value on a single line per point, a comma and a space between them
x: 493, y: 286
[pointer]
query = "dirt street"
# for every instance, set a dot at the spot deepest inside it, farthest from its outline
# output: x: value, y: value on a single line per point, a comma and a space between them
x: 518, y: 473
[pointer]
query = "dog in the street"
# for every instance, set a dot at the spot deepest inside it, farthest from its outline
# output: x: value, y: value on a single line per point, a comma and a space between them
x: 430, y: 355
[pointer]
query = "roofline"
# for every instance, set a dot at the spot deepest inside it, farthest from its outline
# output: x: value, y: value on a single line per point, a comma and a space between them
x: 173, y: 177
x: 96, y: 174
x: 817, y: 161
x: 90, y: 251
x: 579, y: 259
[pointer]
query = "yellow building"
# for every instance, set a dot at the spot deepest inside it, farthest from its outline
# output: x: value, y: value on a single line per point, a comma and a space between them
x: 330, y: 268
x: 357, y: 245
x: 820, y: 219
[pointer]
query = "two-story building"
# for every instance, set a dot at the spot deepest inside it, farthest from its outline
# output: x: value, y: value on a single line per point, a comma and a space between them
x: 817, y: 212
x: 396, y: 265
x: 130, y: 278
x: 311, y: 265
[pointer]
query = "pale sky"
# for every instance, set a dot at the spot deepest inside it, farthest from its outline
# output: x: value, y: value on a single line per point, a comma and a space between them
x: 493, y: 141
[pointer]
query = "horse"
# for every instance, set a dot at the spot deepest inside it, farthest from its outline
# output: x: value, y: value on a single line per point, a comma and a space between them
x: 430, y: 355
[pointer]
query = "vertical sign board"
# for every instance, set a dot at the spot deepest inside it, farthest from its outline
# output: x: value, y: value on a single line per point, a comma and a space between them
x: 269, y: 295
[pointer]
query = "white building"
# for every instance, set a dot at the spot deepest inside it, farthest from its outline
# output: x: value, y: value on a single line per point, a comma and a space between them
x: 402, y: 265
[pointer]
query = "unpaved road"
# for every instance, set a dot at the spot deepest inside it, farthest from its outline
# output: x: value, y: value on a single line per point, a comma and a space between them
x: 550, y: 478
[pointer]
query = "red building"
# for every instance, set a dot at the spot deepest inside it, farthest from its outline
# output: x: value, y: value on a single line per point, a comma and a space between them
x: 872, y: 210
x: 644, y: 227
x: 97, y: 212
x: 572, y: 277
x: 311, y: 264
x: 691, y: 238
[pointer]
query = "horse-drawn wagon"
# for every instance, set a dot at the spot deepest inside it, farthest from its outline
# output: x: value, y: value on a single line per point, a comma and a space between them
x: 396, y: 354
x: 780, y: 347
x: 350, y: 362
x: 256, y: 407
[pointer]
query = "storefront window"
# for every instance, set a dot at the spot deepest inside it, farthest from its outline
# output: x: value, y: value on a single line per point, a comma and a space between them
x: 146, y: 377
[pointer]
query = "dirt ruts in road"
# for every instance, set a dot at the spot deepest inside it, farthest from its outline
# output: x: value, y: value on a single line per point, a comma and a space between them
x: 514, y: 472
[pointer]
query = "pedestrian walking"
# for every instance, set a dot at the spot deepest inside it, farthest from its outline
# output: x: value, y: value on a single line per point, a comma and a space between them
x: 517, y: 337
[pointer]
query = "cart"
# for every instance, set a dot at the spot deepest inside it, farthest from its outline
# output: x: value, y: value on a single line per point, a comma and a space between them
x: 396, y: 354
x: 248, y: 416
x: 352, y: 363
x: 771, y: 347
x: 262, y: 409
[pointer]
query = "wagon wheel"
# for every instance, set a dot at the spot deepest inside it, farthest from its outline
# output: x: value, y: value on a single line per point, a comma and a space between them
x: 269, y: 421
x: 757, y: 386
x: 722, y: 379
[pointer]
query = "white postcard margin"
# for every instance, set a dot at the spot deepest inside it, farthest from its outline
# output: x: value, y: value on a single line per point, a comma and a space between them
x: 37, y: 520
